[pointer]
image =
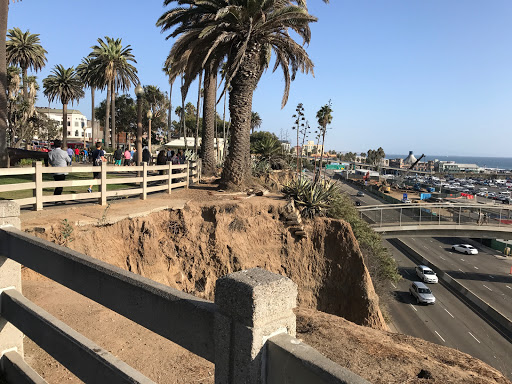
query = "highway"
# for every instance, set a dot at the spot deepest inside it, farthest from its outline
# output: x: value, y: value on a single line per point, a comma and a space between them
x: 449, y: 322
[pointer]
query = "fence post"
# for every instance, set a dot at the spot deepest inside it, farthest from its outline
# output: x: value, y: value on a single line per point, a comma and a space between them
x: 144, y: 181
x: 103, y: 185
x: 200, y: 168
x: 254, y: 305
x: 38, y: 190
x: 188, y: 174
x: 170, y: 177
x: 10, y: 278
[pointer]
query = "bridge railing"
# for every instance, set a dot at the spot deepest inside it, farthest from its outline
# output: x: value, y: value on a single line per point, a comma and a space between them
x: 248, y: 332
x: 112, y: 181
x: 437, y: 214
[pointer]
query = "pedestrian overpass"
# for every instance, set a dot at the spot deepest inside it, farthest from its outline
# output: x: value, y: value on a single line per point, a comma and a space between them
x: 491, y: 221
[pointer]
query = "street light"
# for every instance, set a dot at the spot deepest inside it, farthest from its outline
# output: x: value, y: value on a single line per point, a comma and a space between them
x: 150, y: 116
x: 139, y: 92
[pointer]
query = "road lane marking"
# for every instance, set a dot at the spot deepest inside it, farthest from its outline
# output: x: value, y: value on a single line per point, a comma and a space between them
x: 425, y: 247
x: 487, y: 287
x: 406, y: 272
x: 491, y: 276
x: 413, y: 239
x: 476, y: 267
x: 394, y: 286
x: 440, y: 246
x: 463, y: 260
x: 444, y: 341
x: 431, y: 241
x: 461, y: 270
x: 449, y: 313
x: 474, y: 337
x: 412, y: 306
x: 442, y: 257
x: 508, y: 287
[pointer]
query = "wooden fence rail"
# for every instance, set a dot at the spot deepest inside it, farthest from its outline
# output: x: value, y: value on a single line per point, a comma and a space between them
x: 147, y: 179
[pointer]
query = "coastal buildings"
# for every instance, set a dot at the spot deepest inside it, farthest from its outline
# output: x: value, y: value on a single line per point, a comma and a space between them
x: 78, y: 125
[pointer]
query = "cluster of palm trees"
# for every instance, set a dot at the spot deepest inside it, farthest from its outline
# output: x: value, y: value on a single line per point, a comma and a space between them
x: 239, y: 35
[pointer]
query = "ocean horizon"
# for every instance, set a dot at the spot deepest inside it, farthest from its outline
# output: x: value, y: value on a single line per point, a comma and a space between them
x: 481, y: 161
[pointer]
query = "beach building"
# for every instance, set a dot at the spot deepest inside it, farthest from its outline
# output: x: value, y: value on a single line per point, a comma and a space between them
x: 77, y: 124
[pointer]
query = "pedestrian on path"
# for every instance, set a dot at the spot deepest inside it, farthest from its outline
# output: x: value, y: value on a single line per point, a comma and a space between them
x: 118, y: 156
x: 70, y: 153
x: 127, y: 157
x: 59, y: 158
x: 98, y: 156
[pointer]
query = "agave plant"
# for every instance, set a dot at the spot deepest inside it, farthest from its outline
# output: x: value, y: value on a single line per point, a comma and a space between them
x: 313, y: 199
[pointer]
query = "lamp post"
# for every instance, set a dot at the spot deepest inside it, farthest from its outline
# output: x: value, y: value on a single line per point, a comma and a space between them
x: 150, y: 116
x: 139, y: 92
x: 83, y: 128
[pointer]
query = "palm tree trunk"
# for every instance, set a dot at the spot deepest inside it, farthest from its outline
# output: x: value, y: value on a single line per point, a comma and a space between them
x: 93, y: 124
x: 322, y: 154
x: 64, y: 125
x: 207, y: 143
x: 113, y: 94
x: 169, y: 118
x: 4, y: 9
x: 184, y: 124
x: 196, y: 137
x: 24, y: 83
x: 237, y: 166
x: 106, y: 128
x: 224, y: 126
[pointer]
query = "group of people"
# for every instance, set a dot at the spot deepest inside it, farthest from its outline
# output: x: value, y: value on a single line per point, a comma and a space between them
x: 63, y: 158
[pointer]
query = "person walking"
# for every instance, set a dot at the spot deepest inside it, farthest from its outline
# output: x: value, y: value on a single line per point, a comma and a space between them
x: 98, y: 157
x: 77, y: 155
x: 161, y: 160
x: 86, y: 155
x: 71, y: 153
x: 146, y: 155
x: 127, y: 157
x: 118, y: 156
x: 59, y: 158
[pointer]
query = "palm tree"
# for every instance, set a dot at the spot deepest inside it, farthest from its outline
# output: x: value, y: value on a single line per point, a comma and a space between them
x: 90, y: 78
x: 167, y: 71
x: 324, y: 117
x: 63, y: 84
x: 4, y: 10
x: 24, y: 50
x: 244, y: 32
x: 112, y: 63
x: 209, y: 163
x: 255, y: 121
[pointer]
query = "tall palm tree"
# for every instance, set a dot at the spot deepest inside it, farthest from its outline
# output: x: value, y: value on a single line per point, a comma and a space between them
x: 91, y: 79
x: 65, y: 85
x: 209, y: 114
x: 24, y: 50
x: 255, y: 121
x: 167, y: 71
x: 324, y: 118
x: 112, y: 63
x: 4, y: 10
x: 245, y: 32
x: 196, y: 136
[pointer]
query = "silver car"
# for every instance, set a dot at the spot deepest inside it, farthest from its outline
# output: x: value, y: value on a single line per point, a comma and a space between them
x: 422, y: 293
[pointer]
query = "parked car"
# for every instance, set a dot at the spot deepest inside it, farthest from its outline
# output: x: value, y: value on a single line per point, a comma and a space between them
x: 358, y: 203
x: 426, y: 274
x: 465, y: 248
x: 406, y: 201
x: 421, y: 293
x: 360, y: 193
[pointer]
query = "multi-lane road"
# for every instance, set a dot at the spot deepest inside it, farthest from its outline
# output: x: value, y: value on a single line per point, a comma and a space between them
x: 450, y: 322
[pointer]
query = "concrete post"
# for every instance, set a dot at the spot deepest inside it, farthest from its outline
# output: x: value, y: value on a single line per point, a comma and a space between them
x: 38, y: 190
x: 10, y: 278
x: 188, y: 174
x: 144, y: 193
x: 103, y: 185
x: 254, y: 305
x: 169, y: 185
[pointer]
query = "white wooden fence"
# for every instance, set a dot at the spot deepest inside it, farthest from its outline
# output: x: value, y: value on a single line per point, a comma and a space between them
x: 144, y: 176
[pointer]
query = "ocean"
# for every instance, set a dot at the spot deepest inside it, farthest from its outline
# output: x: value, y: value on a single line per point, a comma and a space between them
x: 486, y: 162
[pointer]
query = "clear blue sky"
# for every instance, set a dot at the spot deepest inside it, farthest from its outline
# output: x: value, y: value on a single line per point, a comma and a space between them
x: 432, y: 76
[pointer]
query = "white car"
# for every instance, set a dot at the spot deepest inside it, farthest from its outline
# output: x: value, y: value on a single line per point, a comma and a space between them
x: 426, y: 274
x: 406, y: 201
x: 465, y: 248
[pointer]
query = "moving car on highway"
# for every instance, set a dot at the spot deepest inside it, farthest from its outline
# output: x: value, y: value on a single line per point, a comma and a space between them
x: 421, y: 293
x: 426, y: 274
x: 465, y: 248
x: 360, y: 193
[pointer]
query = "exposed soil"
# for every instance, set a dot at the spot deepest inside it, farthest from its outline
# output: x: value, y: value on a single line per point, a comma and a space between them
x: 216, y: 234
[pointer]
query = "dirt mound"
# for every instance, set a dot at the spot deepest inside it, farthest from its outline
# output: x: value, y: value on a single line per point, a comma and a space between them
x: 190, y: 249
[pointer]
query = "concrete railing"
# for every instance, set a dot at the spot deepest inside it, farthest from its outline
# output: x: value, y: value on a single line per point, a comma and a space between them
x: 137, y: 180
x: 248, y: 332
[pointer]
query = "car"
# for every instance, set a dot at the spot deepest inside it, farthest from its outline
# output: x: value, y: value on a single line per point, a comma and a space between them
x: 358, y: 203
x: 426, y: 274
x: 465, y: 248
x: 360, y: 193
x: 421, y: 293
x: 406, y: 201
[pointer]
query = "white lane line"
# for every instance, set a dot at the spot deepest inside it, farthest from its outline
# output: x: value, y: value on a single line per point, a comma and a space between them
x: 444, y: 341
x: 491, y: 276
x: 449, y: 313
x: 425, y: 247
x: 440, y: 246
x: 413, y: 239
x: 431, y: 241
x: 508, y: 287
x: 487, y: 287
x: 394, y: 286
x: 474, y: 337
x: 412, y: 306
x: 476, y: 267
x: 461, y: 270
x: 406, y: 272
x: 463, y: 260
x: 442, y: 257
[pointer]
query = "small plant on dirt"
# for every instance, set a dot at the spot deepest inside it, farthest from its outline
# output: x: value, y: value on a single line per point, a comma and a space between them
x: 65, y: 235
x: 237, y: 225
x: 103, y: 220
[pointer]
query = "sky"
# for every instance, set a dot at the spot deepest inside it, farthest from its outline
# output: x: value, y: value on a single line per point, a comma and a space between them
x: 431, y: 76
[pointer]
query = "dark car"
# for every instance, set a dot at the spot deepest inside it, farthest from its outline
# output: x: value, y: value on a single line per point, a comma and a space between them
x: 358, y: 203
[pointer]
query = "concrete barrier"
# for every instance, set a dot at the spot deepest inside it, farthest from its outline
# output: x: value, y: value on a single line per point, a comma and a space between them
x: 482, y: 308
x: 251, y: 307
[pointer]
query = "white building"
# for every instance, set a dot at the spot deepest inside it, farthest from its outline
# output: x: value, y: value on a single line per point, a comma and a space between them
x: 78, y: 125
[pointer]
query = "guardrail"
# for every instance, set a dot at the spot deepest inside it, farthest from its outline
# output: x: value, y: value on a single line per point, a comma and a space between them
x: 145, y: 181
x: 436, y: 213
x: 248, y: 332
